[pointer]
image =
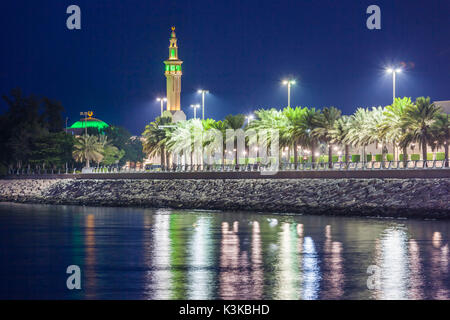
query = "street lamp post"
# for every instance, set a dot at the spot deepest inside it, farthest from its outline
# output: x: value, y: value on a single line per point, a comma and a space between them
x: 394, y: 72
x: 289, y: 83
x: 249, y: 118
x: 195, y: 106
x: 203, y: 92
x: 86, y: 114
x: 162, y: 100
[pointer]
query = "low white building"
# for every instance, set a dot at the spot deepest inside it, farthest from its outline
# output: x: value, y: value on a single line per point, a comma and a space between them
x: 445, y: 105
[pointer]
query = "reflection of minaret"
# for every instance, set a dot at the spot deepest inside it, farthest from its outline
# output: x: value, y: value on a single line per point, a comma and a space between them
x: 173, y: 74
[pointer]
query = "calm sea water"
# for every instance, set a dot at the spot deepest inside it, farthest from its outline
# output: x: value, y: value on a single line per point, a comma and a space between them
x: 131, y: 253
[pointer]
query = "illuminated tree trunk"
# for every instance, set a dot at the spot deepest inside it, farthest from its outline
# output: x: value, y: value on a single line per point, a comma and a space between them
x: 295, y: 156
x: 424, y: 152
x: 347, y: 153
x: 162, y: 160
x: 446, y: 154
x: 405, y: 156
x: 330, y: 156
x: 313, y: 156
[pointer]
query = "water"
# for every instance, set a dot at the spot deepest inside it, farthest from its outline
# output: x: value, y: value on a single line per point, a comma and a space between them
x: 132, y: 253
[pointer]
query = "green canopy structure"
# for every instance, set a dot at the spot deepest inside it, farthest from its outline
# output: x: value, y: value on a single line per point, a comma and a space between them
x: 78, y: 127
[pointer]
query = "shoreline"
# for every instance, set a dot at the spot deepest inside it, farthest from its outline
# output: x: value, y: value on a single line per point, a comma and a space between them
x: 393, y: 198
x: 219, y: 211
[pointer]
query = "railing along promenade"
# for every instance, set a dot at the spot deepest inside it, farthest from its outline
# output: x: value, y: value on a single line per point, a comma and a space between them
x: 284, y: 167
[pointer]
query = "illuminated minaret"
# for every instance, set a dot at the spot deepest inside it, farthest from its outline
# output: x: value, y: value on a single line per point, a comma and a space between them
x: 173, y: 74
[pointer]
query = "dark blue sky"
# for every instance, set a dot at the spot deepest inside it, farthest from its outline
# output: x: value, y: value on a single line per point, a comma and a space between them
x: 239, y: 50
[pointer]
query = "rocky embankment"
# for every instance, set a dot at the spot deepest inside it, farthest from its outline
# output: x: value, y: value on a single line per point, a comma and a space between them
x: 375, y: 197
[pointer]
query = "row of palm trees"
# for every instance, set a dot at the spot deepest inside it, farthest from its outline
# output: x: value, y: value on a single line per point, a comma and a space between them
x: 162, y: 137
x: 400, y: 125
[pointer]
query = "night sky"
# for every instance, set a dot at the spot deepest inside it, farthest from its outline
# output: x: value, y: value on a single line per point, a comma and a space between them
x: 239, y: 50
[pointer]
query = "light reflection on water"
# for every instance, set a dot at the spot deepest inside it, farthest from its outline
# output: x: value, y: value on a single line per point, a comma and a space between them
x: 129, y: 253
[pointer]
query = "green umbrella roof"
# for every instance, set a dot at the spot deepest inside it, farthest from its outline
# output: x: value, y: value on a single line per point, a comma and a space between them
x: 90, y: 123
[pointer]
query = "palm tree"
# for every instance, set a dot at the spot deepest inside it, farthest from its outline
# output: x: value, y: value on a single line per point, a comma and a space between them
x: 325, y: 124
x: 375, y: 134
x: 358, y: 134
x: 86, y: 148
x: 155, y: 138
x: 235, y: 122
x: 221, y: 126
x: 391, y: 127
x: 441, y: 133
x: 271, y: 120
x: 417, y: 123
x: 183, y: 137
x: 289, y: 134
x: 339, y: 134
x: 303, y: 128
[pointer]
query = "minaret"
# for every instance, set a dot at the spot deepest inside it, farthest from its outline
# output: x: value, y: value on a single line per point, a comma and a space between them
x: 173, y: 74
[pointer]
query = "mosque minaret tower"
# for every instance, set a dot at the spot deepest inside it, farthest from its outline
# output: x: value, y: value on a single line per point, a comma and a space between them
x: 173, y: 75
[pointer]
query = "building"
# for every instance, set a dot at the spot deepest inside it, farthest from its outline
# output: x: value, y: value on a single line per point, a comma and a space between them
x: 445, y: 105
x: 172, y: 72
x: 85, y: 124
x: 173, y: 75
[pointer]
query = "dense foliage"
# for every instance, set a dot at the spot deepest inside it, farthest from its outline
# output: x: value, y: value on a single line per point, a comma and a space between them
x: 32, y: 135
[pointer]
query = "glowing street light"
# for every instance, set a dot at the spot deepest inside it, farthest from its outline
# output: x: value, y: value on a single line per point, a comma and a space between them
x: 203, y: 92
x: 289, y: 83
x: 195, y: 106
x: 162, y: 100
x: 394, y: 72
x: 249, y: 118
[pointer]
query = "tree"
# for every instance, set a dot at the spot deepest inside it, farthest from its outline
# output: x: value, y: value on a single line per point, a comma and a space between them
x: 24, y: 130
x: 358, y: 134
x: 391, y: 126
x: 270, y: 121
x: 182, y: 138
x: 52, y: 149
x: 417, y: 123
x: 293, y: 115
x: 235, y: 122
x: 112, y: 155
x: 303, y: 128
x: 155, y: 138
x: 52, y: 116
x: 88, y: 148
x: 221, y: 126
x: 121, y: 138
x: 374, y: 131
x: 441, y: 133
x: 339, y: 134
x: 324, y: 126
x: 22, y: 126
